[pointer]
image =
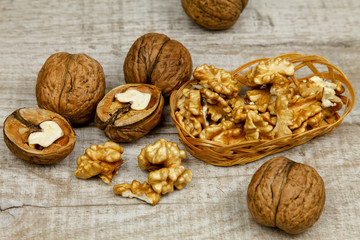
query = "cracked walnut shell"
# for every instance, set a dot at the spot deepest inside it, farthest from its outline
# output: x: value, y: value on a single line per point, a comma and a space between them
x: 122, y: 123
x: 71, y: 85
x: 286, y: 194
x: 103, y: 160
x: 156, y: 59
x: 26, y: 121
x: 214, y: 14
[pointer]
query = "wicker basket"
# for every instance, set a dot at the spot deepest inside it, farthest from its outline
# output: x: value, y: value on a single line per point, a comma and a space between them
x: 249, y: 151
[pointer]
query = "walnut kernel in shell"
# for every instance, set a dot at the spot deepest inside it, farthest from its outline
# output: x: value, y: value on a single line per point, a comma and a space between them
x: 120, y: 122
x: 22, y: 122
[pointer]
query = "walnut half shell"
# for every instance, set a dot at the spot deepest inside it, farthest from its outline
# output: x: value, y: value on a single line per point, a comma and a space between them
x: 22, y: 122
x: 286, y: 194
x: 120, y: 122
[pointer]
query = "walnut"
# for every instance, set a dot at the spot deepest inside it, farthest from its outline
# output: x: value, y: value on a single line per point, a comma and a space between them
x: 303, y: 109
x: 282, y: 85
x: 71, y: 85
x: 157, y: 60
x: 192, y: 124
x: 260, y: 98
x: 38, y: 135
x: 191, y: 101
x: 215, y: 112
x: 164, y: 179
x: 222, y: 132
x: 313, y: 122
x: 103, y: 160
x: 212, y: 131
x: 160, y: 154
x: 214, y: 98
x: 328, y: 92
x: 137, y: 190
x: 240, y: 109
x: 163, y: 160
x: 214, y: 15
x: 230, y: 136
x: 286, y: 194
x: 285, y: 116
x: 194, y: 104
x: 308, y: 88
x: 221, y: 81
x: 256, y: 127
x: 266, y: 71
x: 191, y: 114
x: 130, y: 111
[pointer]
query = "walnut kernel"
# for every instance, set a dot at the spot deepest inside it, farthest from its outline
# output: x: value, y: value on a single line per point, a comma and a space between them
x: 137, y: 190
x: 160, y: 154
x: 103, y: 160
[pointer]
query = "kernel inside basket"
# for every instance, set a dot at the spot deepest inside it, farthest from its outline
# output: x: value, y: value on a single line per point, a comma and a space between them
x: 274, y: 104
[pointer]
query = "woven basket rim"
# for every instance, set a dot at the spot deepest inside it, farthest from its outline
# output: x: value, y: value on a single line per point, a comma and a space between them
x: 249, y: 151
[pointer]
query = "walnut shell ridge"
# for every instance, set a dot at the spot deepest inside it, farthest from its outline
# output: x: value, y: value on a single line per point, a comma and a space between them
x: 156, y: 59
x: 71, y: 85
x: 286, y: 194
x: 214, y: 14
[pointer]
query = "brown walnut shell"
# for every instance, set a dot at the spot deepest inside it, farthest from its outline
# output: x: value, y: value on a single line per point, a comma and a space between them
x: 214, y: 14
x: 123, y: 124
x: 71, y: 85
x: 156, y: 59
x: 286, y: 194
x: 24, y: 121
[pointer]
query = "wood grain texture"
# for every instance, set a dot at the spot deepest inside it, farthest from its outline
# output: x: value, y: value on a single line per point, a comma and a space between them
x: 48, y: 202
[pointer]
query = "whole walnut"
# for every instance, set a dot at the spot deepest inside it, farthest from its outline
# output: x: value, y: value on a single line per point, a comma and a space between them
x: 156, y: 59
x: 214, y: 14
x: 71, y: 85
x: 286, y: 194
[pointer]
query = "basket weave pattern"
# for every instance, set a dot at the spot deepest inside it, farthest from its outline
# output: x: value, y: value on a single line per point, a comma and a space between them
x: 248, y: 151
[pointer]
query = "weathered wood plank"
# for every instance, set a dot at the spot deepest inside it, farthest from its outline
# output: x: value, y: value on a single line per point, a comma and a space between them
x: 48, y: 202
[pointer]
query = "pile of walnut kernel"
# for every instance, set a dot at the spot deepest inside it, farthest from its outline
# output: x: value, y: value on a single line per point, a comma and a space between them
x: 274, y: 106
x: 163, y: 160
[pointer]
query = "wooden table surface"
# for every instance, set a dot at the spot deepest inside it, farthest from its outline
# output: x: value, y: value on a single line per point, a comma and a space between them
x: 48, y: 202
